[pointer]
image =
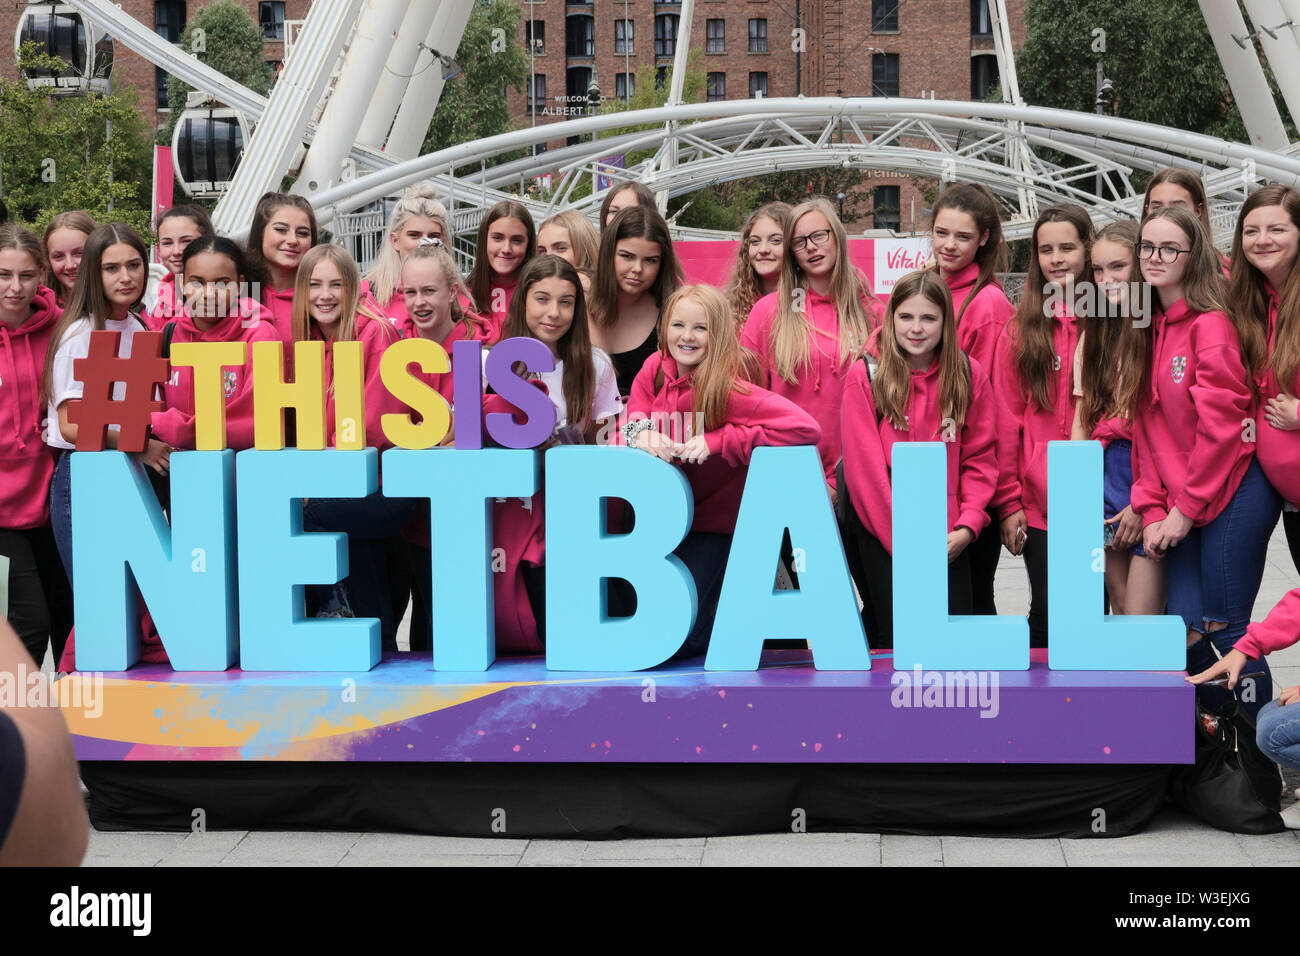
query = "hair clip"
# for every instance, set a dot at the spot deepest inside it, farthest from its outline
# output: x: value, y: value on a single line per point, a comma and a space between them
x: 431, y: 241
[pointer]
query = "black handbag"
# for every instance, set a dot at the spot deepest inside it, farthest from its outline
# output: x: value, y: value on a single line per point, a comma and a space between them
x: 1232, y: 786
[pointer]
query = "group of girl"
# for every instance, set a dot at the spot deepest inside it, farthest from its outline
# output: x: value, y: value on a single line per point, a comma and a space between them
x: 1183, y: 364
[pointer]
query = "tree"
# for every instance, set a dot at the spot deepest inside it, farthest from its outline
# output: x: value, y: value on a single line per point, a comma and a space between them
x: 1159, y: 55
x: 473, y: 105
x: 224, y: 36
x: 56, y: 153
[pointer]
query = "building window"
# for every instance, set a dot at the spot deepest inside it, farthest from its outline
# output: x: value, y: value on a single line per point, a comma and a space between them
x: 270, y: 16
x: 666, y: 34
x: 886, y: 204
x: 717, y: 87
x: 758, y: 85
x: 758, y: 36
x: 716, y: 36
x: 169, y: 19
x: 580, y: 34
x: 537, y: 92
x: 535, y: 36
x: 160, y: 86
x: 884, y: 16
x: 884, y: 74
x: 624, y: 85
x: 981, y: 24
x: 276, y: 67
x: 983, y: 75
x: 661, y: 77
x: 576, y: 81
x: 624, y: 36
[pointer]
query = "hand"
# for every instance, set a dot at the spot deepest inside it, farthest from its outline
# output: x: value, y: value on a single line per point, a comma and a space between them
x: 1280, y: 412
x: 959, y: 541
x: 1163, y: 535
x: 1288, y: 696
x: 1015, y: 529
x: 1231, y: 664
x: 1128, y: 530
x: 156, y: 455
x: 696, y: 450
x: 657, y: 444
x: 834, y: 495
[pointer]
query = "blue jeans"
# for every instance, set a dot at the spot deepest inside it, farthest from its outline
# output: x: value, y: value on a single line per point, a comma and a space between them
x: 1277, y: 730
x: 61, y: 509
x: 705, y: 556
x: 1214, y: 575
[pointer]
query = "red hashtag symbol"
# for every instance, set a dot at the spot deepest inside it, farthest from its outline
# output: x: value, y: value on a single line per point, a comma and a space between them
x: 98, y: 371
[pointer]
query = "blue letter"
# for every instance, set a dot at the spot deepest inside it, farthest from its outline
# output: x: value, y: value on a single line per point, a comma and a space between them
x: 185, y: 572
x: 1081, y: 638
x: 581, y: 554
x: 460, y: 487
x: 787, y: 489
x: 925, y: 635
x: 276, y: 558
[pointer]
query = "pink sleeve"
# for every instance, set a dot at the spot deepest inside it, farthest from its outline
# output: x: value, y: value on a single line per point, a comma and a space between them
x: 981, y: 325
x: 1148, y: 499
x: 1281, y: 628
x: 979, y: 457
x: 1011, y: 403
x: 1223, y: 401
x: 769, y: 420
x: 378, y: 399
x: 865, y: 471
x: 757, y: 338
x: 174, y: 427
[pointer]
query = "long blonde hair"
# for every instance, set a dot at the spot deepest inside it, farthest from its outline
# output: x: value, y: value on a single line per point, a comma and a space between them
x: 792, y: 333
x: 420, y: 200
x: 892, y: 387
x: 727, y: 366
x: 350, y: 299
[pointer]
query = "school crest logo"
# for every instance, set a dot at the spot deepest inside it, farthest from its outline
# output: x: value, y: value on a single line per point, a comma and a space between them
x: 230, y: 382
x: 1178, y: 367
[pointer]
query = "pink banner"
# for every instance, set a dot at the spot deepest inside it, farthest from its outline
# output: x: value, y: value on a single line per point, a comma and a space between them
x: 164, y: 180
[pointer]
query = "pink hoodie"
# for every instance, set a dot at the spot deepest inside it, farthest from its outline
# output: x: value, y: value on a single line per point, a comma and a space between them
x: 26, y: 462
x: 496, y: 318
x: 1024, y: 429
x: 1278, y: 451
x: 442, y: 382
x: 869, y: 449
x: 757, y: 418
x: 175, y: 425
x: 1189, y: 443
x: 375, y: 335
x: 980, y: 325
x: 819, y: 387
x: 165, y: 307
x: 1281, y: 628
x: 279, y: 302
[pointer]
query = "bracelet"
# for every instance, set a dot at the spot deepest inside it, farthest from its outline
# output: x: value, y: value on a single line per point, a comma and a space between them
x: 632, y: 429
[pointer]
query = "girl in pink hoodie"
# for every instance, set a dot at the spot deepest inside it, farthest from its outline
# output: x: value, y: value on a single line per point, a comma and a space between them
x: 1277, y: 725
x: 327, y: 307
x: 1264, y: 294
x: 1205, y: 504
x: 211, y: 310
x: 759, y: 259
x: 284, y: 228
x: 969, y: 252
x: 177, y: 228
x: 417, y: 216
x: 924, y: 388
x: 506, y: 241
x: 693, y: 404
x: 1031, y: 378
x: 40, y: 601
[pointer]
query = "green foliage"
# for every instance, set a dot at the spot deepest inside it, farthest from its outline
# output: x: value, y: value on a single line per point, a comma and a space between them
x: 473, y: 105
x: 55, y: 153
x: 224, y: 36
x: 1159, y: 55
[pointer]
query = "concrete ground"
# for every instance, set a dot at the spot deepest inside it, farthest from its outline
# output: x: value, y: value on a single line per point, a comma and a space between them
x: 1172, y: 839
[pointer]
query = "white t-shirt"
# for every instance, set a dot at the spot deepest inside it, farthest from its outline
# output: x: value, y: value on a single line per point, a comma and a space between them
x: 74, y: 344
x: 607, y: 402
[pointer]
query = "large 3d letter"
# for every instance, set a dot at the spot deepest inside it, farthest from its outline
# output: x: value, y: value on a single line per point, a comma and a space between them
x: 787, y: 489
x: 186, y: 572
x: 581, y: 555
x: 276, y: 558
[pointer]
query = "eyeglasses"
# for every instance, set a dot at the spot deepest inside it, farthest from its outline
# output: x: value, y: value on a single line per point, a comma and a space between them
x: 798, y: 243
x: 1164, y: 254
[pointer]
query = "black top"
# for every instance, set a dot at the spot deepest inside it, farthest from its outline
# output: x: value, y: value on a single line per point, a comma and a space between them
x: 13, y: 770
x: 627, y: 364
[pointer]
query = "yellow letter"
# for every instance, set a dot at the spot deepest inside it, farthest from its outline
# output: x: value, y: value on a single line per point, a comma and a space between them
x: 394, y: 369
x: 272, y: 395
x: 349, y: 397
x: 208, y: 359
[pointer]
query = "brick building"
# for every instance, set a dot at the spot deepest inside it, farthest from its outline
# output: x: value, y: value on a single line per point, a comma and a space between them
x: 939, y: 48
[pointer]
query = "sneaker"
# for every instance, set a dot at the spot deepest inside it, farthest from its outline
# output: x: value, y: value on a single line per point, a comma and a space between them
x: 1291, y: 817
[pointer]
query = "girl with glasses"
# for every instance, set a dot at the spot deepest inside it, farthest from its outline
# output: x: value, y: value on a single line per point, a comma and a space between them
x: 1206, y: 507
